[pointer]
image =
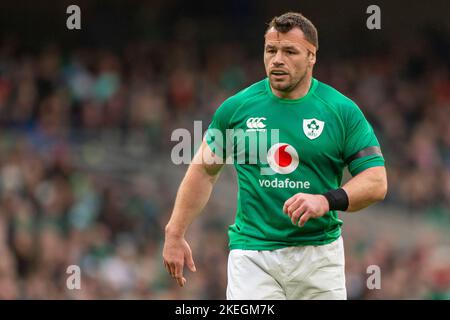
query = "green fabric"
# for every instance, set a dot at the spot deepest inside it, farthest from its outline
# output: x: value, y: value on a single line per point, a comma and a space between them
x: 260, y: 223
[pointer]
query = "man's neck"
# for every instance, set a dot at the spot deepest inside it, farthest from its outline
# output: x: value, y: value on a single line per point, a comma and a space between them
x: 300, y: 91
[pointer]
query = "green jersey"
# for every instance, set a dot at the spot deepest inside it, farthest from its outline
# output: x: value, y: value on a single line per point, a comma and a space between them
x: 318, y: 136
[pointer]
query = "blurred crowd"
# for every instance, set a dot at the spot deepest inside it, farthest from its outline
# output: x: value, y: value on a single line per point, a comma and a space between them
x: 80, y: 130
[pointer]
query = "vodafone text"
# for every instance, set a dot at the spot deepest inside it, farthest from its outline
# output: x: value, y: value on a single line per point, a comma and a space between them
x: 284, y: 183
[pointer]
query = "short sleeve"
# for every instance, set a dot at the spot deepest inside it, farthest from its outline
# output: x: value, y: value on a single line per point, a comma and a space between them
x: 361, y: 147
x: 216, y: 134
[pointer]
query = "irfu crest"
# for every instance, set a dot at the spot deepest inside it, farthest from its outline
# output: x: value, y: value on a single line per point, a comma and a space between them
x: 313, y: 128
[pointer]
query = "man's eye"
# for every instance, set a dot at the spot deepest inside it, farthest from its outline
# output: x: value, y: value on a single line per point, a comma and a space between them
x: 271, y: 51
x: 291, y: 52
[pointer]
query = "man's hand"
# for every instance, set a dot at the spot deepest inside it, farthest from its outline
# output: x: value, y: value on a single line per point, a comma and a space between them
x: 192, y: 196
x: 175, y: 253
x: 304, y: 206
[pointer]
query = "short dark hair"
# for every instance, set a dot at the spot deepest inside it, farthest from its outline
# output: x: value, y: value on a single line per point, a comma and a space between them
x: 290, y: 20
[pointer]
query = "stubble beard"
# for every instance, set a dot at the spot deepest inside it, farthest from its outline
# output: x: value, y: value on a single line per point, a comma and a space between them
x: 289, y: 86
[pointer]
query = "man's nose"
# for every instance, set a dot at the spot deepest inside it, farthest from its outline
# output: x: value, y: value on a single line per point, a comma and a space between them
x: 278, y: 59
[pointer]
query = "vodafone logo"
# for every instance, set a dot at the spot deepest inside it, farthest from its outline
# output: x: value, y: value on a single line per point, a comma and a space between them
x: 255, y: 124
x: 282, y: 158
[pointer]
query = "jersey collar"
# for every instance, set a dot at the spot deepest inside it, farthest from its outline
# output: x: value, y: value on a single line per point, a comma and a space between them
x: 311, y: 90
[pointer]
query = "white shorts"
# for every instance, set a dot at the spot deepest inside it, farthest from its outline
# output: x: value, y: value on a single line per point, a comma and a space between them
x: 302, y: 272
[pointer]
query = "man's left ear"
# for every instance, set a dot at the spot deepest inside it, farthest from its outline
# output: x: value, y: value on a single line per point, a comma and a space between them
x: 312, y: 59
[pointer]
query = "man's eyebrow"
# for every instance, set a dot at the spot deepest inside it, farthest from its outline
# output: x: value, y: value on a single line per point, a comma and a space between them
x: 286, y: 47
x: 290, y: 48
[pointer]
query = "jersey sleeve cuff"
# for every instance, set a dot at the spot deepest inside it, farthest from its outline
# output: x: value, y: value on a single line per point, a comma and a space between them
x: 361, y: 164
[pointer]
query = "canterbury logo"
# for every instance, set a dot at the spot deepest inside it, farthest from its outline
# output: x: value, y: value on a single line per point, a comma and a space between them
x: 256, y: 123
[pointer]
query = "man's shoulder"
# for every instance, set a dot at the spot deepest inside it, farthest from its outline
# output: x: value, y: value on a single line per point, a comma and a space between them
x: 231, y: 104
x: 334, y: 97
x: 254, y: 90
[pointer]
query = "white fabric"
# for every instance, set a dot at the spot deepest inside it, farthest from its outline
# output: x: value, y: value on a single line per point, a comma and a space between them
x: 302, y: 272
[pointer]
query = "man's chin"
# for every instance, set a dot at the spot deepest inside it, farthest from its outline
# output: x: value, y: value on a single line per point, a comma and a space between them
x: 280, y: 86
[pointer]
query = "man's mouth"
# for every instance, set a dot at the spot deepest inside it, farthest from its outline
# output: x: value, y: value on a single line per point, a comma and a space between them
x: 278, y: 73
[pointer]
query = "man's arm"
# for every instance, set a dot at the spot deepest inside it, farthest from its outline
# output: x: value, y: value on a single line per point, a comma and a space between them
x: 364, y: 189
x: 192, y: 196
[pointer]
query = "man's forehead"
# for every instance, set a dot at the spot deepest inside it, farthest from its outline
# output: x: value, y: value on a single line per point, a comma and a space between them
x: 282, y: 43
x: 295, y: 34
x: 293, y: 37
